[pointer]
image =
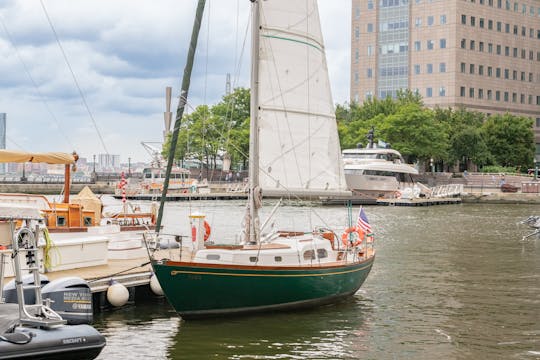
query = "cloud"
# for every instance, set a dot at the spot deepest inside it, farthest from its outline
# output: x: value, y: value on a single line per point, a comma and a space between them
x: 123, y: 54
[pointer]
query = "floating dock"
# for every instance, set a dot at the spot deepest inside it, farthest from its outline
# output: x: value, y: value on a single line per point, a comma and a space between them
x: 189, y: 196
x: 419, y: 201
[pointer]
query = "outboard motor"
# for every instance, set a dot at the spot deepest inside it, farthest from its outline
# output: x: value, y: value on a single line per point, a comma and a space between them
x: 71, y: 299
x: 10, y: 291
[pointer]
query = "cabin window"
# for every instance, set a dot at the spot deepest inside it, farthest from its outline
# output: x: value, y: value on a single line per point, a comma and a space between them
x: 322, y: 253
x: 309, y: 255
x: 212, y: 257
x: 277, y: 258
x: 253, y: 259
x: 87, y: 221
x: 60, y: 221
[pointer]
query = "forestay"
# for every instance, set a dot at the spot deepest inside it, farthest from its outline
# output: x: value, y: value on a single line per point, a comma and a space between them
x: 298, y: 141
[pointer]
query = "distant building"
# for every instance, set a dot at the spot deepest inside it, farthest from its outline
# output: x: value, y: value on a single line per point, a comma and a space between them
x: 108, y: 162
x: 481, y: 54
x: 3, y: 120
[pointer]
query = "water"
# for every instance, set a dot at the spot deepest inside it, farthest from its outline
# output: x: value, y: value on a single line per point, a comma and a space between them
x: 449, y: 282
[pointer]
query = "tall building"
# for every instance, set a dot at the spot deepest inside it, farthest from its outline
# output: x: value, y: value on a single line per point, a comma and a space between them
x: 481, y: 54
x: 108, y: 162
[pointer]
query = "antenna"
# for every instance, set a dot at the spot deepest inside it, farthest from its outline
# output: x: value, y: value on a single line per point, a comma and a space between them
x: 228, y: 84
x: 167, y: 115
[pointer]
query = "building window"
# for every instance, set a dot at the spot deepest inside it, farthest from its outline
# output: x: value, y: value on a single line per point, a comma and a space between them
x: 480, y: 69
x: 506, y: 74
x: 472, y: 45
x: 489, y: 95
x: 481, y: 46
x: 462, y: 91
x: 498, y: 49
x: 442, y: 91
x: 429, y: 68
x: 416, y: 69
x: 523, y: 31
x: 418, y: 22
x: 370, y: 4
x: 462, y: 67
x: 490, y: 48
x: 515, y: 30
x: 523, y: 53
x: 530, y: 77
x: 530, y: 99
x: 499, y: 26
x: 429, y: 92
x: 506, y: 51
x: 464, y: 19
x: 514, y: 75
x: 481, y: 23
x: 473, y: 21
x: 430, y: 20
x: 370, y: 50
x: 490, y: 24
x: 417, y: 46
x: 480, y: 93
x: 369, y: 27
x: 522, y: 98
x: 514, y: 97
x: 471, y: 68
x: 507, y: 28
x: 443, y: 19
x: 369, y: 73
x: 490, y: 71
x: 430, y: 44
x: 515, y: 52
x: 498, y: 95
x: 498, y: 73
x: 471, y: 93
x: 442, y: 43
x: 442, y: 67
x: 463, y: 43
x: 357, y: 33
x: 506, y: 96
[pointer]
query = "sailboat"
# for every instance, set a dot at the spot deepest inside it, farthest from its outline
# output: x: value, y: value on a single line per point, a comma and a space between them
x: 294, y: 149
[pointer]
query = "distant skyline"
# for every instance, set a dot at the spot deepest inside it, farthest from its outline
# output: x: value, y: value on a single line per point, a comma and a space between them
x: 123, y: 55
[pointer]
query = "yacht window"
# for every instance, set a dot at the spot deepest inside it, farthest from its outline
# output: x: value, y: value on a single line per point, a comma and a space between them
x: 322, y: 253
x: 253, y: 258
x: 277, y: 258
x: 309, y: 255
x: 87, y: 221
x: 354, y: 171
x: 60, y: 221
x: 212, y: 257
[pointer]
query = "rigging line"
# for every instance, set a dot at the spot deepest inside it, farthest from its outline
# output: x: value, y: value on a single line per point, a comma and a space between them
x: 74, y: 77
x: 27, y: 71
x: 17, y: 145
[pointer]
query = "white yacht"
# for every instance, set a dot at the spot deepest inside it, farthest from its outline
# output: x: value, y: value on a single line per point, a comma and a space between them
x: 378, y: 172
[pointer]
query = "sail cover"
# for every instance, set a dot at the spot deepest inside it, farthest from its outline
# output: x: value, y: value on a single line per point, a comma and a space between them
x: 298, y: 142
x: 7, y: 156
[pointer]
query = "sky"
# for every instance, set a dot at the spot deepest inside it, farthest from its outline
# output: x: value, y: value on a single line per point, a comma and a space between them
x: 109, y: 95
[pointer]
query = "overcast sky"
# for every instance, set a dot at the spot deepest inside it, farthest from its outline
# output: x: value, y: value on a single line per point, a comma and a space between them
x: 123, y: 54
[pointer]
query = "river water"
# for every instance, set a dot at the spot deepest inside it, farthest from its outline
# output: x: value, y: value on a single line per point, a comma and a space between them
x: 449, y: 282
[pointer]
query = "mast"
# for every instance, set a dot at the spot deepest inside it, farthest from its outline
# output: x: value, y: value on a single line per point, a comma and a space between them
x: 254, y: 189
x: 181, y: 105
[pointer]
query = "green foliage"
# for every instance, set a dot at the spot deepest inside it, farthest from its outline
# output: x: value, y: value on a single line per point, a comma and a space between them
x: 498, y: 169
x: 510, y: 140
x: 449, y: 135
x: 209, y: 131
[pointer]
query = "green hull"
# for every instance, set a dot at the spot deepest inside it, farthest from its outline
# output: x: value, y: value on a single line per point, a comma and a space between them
x: 203, y: 290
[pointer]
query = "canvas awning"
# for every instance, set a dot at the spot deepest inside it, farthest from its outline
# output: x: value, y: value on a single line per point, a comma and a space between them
x: 7, y: 156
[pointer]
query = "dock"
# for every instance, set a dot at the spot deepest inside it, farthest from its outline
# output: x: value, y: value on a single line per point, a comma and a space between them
x: 419, y: 201
x: 188, y: 196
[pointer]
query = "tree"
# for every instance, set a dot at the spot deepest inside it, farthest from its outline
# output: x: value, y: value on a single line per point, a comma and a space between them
x: 510, y: 140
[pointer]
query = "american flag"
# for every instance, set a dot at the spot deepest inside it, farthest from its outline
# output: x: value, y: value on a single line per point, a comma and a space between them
x: 363, y: 223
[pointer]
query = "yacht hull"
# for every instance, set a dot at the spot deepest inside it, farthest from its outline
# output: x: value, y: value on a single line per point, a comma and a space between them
x: 206, y: 290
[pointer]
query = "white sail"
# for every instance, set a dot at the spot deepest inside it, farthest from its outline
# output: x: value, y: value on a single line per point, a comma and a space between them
x: 298, y: 141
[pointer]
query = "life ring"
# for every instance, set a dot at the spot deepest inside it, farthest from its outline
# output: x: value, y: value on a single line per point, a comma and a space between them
x: 345, y: 236
x: 207, y: 230
x: 397, y: 194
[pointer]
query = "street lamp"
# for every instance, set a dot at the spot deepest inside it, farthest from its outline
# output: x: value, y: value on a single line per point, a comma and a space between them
x: 129, y: 167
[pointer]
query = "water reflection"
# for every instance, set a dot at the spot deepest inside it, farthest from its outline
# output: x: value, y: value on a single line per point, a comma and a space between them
x: 331, y: 332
